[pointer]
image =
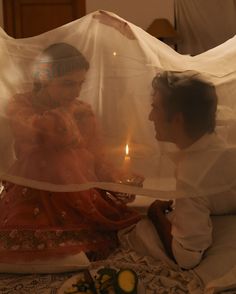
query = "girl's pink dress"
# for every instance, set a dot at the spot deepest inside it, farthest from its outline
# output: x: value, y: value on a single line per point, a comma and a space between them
x: 61, y: 146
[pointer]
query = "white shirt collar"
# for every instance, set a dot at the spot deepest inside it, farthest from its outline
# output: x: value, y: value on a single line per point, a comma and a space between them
x: 205, y: 142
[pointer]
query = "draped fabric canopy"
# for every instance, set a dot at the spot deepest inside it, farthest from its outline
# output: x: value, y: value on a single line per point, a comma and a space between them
x: 72, y: 147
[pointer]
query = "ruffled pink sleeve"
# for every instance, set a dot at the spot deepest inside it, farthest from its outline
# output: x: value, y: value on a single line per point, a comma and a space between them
x: 54, y: 128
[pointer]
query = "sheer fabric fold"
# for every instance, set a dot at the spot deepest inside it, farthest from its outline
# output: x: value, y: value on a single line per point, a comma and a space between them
x: 82, y: 145
x: 76, y: 143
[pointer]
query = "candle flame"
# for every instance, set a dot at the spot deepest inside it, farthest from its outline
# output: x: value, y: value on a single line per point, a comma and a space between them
x: 126, y: 149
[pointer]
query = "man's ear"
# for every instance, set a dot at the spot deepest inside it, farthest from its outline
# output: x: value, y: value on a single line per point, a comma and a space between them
x: 44, y: 84
x: 180, y: 137
x: 179, y: 119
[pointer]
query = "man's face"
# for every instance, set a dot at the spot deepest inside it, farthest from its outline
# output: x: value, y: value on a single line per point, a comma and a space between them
x: 158, y: 116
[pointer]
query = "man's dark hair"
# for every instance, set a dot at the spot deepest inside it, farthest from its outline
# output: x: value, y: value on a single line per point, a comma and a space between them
x: 194, y: 98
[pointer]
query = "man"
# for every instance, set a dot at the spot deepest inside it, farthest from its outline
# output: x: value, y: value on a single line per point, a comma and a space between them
x: 184, y: 113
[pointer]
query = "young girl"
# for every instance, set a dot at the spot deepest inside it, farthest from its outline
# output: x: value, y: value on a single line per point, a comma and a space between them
x: 56, y: 141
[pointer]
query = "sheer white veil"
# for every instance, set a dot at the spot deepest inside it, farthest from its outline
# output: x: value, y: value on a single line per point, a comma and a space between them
x: 123, y: 59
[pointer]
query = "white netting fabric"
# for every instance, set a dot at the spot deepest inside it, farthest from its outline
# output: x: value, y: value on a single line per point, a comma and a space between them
x: 78, y: 143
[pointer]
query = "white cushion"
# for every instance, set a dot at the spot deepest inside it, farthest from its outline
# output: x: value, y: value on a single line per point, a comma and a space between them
x: 141, y: 203
x: 59, y: 265
x: 220, y: 259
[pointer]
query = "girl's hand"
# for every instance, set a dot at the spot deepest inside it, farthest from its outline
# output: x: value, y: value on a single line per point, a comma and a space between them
x: 119, y: 25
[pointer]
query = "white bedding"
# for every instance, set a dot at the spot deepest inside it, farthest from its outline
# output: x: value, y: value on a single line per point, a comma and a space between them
x: 217, y: 271
x: 218, y: 268
x: 215, y: 274
x: 156, y: 277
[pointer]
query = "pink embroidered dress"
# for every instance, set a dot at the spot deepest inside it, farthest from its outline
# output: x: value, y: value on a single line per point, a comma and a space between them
x: 57, y: 145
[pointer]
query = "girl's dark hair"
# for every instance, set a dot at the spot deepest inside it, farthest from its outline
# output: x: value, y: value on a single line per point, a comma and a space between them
x: 194, y: 98
x: 57, y: 60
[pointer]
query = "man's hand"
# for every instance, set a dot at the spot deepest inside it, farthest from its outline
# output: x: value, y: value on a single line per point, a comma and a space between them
x: 159, y: 205
x: 157, y: 215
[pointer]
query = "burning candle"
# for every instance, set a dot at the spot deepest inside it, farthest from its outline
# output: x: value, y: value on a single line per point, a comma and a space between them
x: 127, y: 158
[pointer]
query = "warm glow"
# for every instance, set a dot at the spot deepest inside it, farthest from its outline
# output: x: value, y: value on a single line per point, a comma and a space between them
x: 126, y: 149
x: 114, y: 53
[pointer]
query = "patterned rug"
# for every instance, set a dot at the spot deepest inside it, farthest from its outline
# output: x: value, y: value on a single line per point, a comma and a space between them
x: 156, y: 277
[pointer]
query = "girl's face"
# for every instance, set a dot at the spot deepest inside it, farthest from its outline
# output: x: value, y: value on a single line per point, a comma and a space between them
x: 66, y: 88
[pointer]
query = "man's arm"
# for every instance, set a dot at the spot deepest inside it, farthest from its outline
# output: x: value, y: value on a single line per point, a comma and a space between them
x: 157, y: 215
